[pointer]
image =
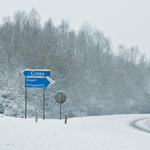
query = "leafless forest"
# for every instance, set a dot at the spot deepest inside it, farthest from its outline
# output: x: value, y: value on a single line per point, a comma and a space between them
x: 96, y: 80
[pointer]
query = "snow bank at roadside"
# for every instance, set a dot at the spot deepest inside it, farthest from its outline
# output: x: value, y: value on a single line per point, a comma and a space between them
x: 87, y: 133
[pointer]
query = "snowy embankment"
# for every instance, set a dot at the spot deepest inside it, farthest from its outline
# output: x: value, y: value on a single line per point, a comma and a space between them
x: 115, y: 132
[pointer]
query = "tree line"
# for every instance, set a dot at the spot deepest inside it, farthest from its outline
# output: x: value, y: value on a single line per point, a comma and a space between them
x: 96, y: 79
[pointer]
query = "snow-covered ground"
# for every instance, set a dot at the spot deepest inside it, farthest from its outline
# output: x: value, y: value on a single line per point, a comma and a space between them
x: 115, y: 132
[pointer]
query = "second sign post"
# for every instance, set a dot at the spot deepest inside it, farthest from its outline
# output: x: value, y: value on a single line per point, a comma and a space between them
x: 60, y: 98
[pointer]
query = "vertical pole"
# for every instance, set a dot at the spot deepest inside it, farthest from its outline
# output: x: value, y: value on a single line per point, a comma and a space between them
x: 66, y: 118
x: 36, y: 119
x: 25, y: 103
x: 43, y: 103
x: 60, y: 111
x: 60, y: 96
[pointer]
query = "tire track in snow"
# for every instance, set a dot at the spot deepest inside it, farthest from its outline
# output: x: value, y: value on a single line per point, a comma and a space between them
x: 135, y: 125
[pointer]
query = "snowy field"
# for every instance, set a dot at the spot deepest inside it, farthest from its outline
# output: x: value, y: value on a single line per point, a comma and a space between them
x: 117, y: 132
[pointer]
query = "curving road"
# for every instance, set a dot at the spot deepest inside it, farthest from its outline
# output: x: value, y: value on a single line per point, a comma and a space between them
x: 142, y: 124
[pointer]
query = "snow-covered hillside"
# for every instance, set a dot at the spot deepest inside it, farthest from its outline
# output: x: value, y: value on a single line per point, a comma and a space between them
x: 115, y: 132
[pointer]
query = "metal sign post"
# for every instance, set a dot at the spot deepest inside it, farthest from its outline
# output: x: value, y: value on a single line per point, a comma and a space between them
x: 25, y: 103
x: 60, y: 98
x: 44, y: 104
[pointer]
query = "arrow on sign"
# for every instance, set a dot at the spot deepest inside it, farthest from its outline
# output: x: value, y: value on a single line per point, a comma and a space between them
x: 38, y: 82
x: 28, y: 72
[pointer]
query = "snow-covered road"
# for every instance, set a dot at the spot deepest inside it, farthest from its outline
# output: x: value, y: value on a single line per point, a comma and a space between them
x: 142, y: 124
x: 116, y: 132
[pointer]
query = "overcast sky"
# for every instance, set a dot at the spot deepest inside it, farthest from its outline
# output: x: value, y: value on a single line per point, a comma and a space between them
x: 124, y: 21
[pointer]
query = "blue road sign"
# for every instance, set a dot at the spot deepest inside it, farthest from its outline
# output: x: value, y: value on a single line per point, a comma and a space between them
x: 38, y: 82
x: 33, y: 72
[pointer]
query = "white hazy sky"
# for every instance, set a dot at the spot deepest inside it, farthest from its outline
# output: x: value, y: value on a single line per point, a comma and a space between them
x: 124, y: 21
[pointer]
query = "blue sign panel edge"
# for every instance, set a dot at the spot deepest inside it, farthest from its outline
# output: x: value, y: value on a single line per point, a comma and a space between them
x: 36, y: 72
x: 38, y: 82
